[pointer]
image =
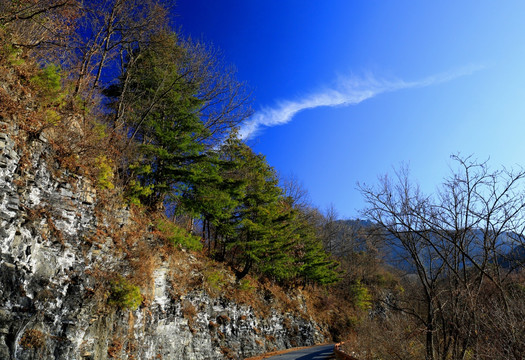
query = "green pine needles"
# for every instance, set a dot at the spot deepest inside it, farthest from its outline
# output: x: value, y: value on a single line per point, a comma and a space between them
x: 232, y: 193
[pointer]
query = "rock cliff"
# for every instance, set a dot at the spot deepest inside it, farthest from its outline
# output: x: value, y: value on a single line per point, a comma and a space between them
x: 53, y: 304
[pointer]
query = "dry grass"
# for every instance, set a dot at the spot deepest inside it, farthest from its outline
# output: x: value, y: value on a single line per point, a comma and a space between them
x: 115, y: 348
x: 394, y: 337
x: 33, y: 339
x: 189, y: 312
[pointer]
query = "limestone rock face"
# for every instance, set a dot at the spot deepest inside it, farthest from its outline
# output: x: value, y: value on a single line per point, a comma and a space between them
x: 48, y: 303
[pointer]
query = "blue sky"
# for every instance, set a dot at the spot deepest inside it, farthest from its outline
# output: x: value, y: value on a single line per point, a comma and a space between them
x: 353, y: 89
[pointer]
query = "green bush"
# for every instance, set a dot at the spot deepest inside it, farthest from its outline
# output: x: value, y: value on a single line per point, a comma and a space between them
x: 48, y: 82
x: 245, y: 285
x: 135, y: 191
x: 361, y: 296
x: 125, y: 295
x: 52, y: 117
x: 178, y: 236
x: 99, y: 130
x: 13, y: 56
x: 215, y: 279
x: 105, y: 173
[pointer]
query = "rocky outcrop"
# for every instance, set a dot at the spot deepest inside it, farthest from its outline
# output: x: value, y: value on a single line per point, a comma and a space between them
x: 51, y: 306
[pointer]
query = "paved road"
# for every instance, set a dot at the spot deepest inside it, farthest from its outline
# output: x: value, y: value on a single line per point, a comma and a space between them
x: 314, y: 353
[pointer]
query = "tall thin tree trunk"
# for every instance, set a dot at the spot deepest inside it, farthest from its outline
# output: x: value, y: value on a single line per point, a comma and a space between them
x: 430, y: 332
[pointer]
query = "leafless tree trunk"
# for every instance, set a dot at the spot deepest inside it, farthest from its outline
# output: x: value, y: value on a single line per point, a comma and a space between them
x: 108, y: 31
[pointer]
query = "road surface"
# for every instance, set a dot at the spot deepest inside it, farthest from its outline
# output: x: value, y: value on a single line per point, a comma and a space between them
x: 314, y: 353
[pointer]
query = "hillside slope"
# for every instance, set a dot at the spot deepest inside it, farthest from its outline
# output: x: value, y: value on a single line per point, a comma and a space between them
x: 82, y: 276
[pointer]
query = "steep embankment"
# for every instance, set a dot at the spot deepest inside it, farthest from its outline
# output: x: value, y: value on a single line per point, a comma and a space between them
x: 71, y: 255
x: 54, y: 273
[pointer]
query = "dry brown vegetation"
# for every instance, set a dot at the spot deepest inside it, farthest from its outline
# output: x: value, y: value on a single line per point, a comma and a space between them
x: 33, y: 339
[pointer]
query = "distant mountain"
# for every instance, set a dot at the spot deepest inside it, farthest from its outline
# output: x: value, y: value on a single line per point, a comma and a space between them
x: 514, y: 259
x: 351, y: 236
x: 348, y: 236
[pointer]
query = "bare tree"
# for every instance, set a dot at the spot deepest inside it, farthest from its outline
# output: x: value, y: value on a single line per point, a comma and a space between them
x: 293, y: 188
x: 226, y: 100
x: 453, y: 242
x: 39, y: 24
x: 108, y: 31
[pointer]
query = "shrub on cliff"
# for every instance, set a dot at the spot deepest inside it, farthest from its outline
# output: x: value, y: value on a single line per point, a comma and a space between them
x: 125, y: 295
x: 177, y: 236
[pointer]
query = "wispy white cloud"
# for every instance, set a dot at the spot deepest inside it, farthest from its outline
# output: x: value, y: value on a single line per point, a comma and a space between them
x: 348, y: 91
